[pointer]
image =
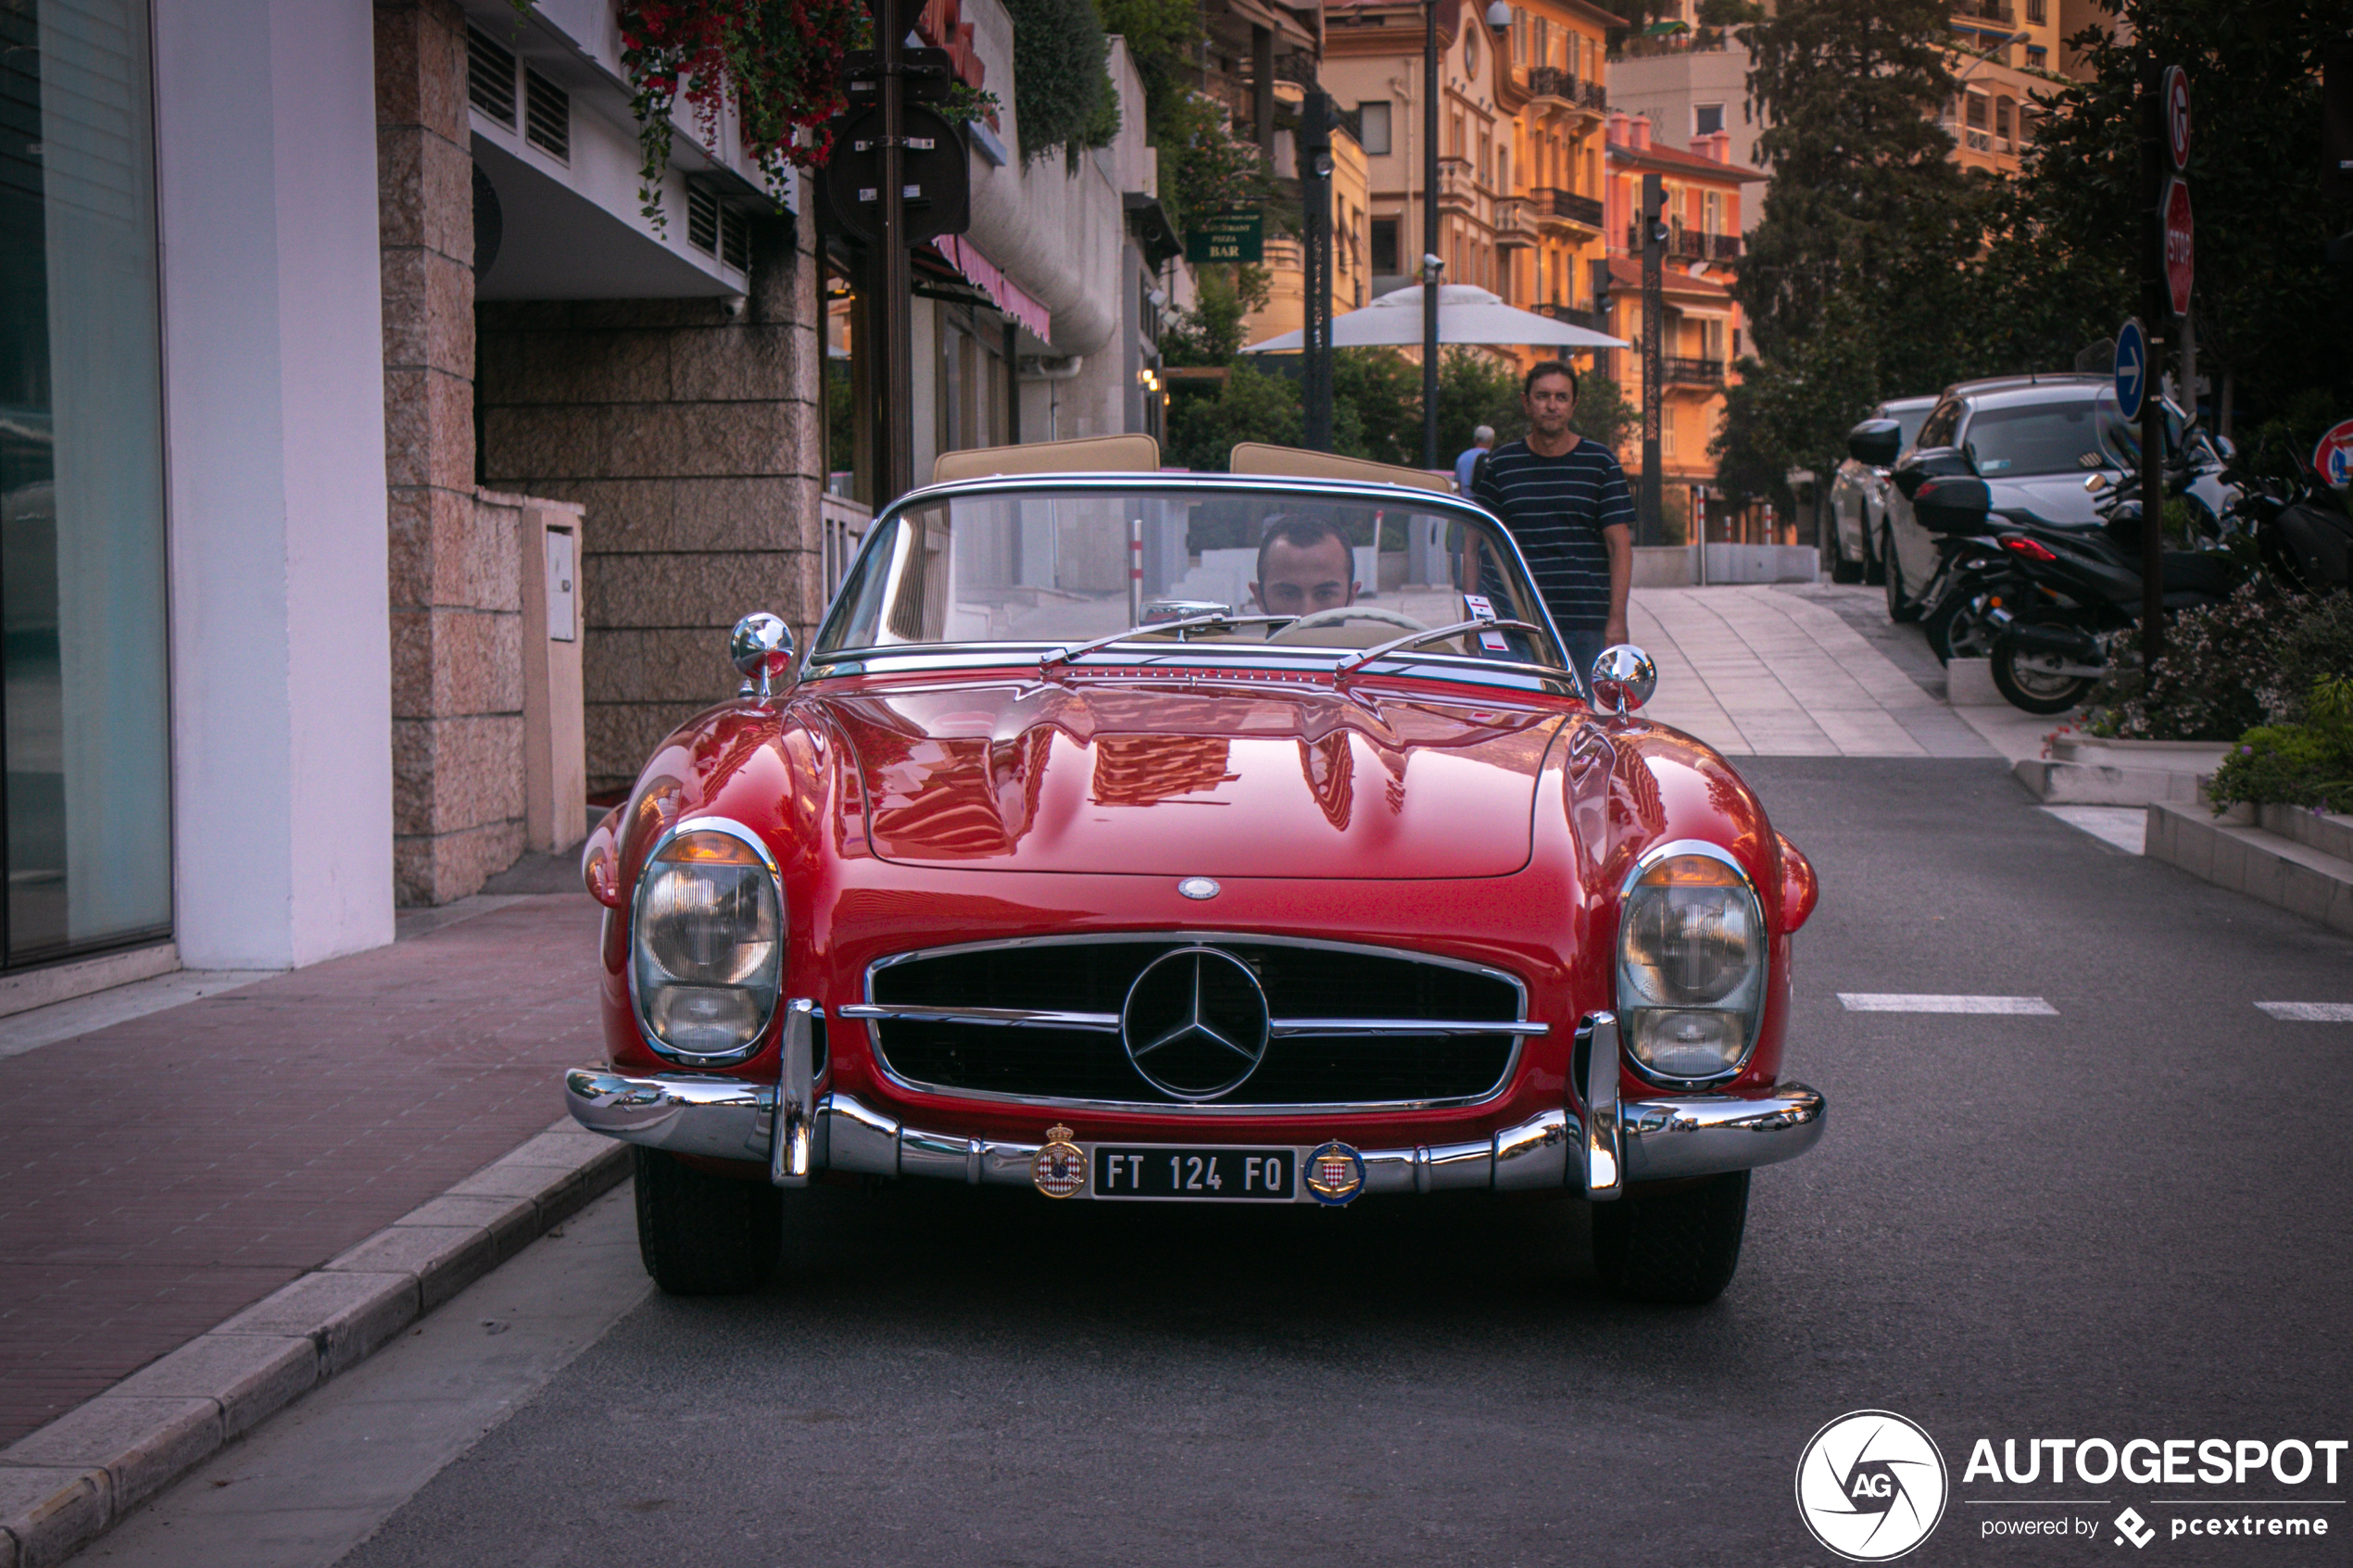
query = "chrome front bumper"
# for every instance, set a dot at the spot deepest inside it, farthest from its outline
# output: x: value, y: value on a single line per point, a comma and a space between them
x: 1656, y: 1139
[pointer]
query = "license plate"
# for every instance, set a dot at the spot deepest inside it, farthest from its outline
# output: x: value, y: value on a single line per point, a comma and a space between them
x: 1260, y: 1175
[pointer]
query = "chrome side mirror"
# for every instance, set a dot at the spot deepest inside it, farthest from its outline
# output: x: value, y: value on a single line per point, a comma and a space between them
x: 1623, y: 678
x: 759, y: 645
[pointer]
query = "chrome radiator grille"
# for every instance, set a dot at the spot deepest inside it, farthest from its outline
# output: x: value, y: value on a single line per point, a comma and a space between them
x: 1064, y: 1020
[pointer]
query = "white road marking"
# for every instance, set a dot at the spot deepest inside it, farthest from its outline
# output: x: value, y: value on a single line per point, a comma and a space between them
x: 2125, y: 826
x: 1888, y: 1001
x: 2310, y: 1013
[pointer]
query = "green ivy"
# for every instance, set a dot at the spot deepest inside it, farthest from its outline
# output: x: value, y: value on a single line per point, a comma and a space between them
x: 1062, y: 92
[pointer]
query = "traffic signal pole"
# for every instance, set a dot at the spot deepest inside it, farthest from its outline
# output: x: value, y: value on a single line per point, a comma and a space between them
x: 1649, y: 522
x: 893, y: 275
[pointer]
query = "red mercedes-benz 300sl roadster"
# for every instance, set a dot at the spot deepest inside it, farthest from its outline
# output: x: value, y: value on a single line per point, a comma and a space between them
x: 1164, y: 838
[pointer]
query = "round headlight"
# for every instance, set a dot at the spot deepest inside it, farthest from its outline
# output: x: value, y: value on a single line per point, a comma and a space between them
x: 1691, y: 968
x: 708, y: 948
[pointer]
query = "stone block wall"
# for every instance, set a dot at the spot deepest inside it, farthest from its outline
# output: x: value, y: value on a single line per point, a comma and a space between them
x: 455, y: 575
x: 691, y: 435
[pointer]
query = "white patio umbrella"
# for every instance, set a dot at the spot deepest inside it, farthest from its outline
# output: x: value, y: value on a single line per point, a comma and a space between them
x: 1465, y: 314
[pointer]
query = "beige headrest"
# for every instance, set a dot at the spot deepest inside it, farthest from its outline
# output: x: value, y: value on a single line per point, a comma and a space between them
x: 1297, y: 462
x: 1091, y: 454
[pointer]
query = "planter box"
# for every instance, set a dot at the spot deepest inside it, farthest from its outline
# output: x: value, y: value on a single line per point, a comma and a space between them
x: 2285, y: 872
x: 1677, y: 566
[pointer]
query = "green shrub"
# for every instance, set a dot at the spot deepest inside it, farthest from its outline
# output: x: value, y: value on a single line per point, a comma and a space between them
x: 2204, y: 686
x: 2306, y: 763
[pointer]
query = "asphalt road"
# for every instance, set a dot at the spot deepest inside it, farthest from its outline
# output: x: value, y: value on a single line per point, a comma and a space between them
x: 2129, y: 1219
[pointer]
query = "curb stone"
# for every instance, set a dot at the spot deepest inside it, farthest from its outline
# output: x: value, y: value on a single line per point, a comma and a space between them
x: 64, y: 1485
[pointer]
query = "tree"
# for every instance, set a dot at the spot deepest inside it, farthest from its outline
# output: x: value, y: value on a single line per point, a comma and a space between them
x: 1850, y: 278
x: 2272, y: 320
x: 1249, y: 406
x: 1603, y: 415
x: 1211, y: 332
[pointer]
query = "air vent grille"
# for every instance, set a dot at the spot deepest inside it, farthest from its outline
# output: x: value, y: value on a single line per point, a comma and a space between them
x: 547, y: 116
x: 702, y: 219
x: 490, y: 76
x: 717, y: 228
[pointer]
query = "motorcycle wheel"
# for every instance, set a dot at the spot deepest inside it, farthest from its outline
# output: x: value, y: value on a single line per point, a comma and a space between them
x: 1900, y: 608
x: 2035, y: 690
x: 1959, y: 628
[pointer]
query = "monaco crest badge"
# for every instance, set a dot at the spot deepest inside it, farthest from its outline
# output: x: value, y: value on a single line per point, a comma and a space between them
x: 1059, y: 1168
x: 1335, y: 1174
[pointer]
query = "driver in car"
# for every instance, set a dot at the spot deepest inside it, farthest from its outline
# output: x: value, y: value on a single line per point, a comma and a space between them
x: 1304, y: 565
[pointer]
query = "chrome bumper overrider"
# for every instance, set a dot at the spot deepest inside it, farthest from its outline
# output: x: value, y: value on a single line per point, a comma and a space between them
x: 1656, y: 1139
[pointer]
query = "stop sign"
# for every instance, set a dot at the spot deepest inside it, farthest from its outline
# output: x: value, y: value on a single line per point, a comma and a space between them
x: 2178, y: 260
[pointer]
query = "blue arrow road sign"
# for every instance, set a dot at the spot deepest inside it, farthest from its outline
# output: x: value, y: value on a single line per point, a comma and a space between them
x: 2132, y: 369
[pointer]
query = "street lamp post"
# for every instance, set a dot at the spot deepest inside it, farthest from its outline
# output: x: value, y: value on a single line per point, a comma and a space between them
x: 1431, y: 264
x: 1499, y: 22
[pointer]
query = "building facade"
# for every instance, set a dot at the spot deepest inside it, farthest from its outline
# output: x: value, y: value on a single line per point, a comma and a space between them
x: 1700, y: 327
x: 1520, y: 164
x: 378, y: 480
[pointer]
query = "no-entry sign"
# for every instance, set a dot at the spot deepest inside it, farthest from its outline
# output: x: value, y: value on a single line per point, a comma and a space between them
x: 2333, y: 459
x: 2178, y: 260
x: 2177, y: 116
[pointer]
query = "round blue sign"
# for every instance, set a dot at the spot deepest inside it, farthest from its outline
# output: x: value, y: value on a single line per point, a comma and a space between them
x: 2132, y: 369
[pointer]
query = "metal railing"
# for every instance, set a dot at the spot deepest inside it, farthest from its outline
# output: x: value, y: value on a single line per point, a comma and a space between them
x: 1676, y: 367
x: 1575, y: 208
x: 1986, y: 10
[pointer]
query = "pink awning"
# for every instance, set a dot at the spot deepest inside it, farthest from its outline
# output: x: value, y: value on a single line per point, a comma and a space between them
x: 984, y: 275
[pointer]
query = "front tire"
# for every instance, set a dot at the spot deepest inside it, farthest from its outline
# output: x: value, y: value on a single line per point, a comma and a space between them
x: 2032, y: 690
x: 1900, y: 608
x: 701, y: 1235
x: 1677, y: 1247
x: 1841, y: 569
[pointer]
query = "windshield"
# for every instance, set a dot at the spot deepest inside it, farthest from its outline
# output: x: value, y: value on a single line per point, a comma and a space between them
x: 2057, y: 437
x: 1301, y: 570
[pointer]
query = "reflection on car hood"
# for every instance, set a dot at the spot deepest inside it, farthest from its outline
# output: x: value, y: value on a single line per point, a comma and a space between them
x: 1192, y: 781
x: 2054, y: 497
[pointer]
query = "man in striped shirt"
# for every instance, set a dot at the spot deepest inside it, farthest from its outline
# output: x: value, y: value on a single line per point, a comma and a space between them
x: 1564, y: 500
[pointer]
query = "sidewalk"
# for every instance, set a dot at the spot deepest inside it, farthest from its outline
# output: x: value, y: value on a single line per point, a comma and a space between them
x: 159, y: 1174
x: 1759, y: 670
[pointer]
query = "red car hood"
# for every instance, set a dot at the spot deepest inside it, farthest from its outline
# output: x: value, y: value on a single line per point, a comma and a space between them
x: 1191, y: 781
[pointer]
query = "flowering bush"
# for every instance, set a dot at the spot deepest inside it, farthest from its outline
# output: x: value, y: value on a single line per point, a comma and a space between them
x: 2310, y: 763
x: 780, y: 61
x: 2203, y: 686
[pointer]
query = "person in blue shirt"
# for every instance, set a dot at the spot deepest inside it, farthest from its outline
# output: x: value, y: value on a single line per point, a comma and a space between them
x: 1465, y: 466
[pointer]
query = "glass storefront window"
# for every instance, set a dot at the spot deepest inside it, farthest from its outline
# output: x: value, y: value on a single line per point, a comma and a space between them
x: 84, y: 803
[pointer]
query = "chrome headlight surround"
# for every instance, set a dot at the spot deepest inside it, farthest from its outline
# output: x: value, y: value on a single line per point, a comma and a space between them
x: 1693, y: 955
x: 717, y: 1011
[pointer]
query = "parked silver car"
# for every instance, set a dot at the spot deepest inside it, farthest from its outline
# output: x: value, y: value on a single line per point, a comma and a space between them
x: 2032, y: 439
x: 1858, y: 497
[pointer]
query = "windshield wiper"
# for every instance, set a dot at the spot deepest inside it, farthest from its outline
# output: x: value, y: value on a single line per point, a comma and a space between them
x: 1064, y: 656
x: 1347, y: 667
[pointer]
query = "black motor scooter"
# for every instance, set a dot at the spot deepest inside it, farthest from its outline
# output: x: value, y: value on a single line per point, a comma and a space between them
x: 2082, y: 599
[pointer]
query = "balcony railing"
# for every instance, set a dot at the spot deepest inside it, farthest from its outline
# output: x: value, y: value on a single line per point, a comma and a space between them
x: 1570, y: 205
x: 1592, y: 321
x: 1704, y: 372
x: 1986, y: 10
x: 1689, y: 244
x: 1550, y: 81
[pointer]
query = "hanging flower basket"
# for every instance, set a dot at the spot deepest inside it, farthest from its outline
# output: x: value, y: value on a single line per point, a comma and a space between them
x: 780, y: 62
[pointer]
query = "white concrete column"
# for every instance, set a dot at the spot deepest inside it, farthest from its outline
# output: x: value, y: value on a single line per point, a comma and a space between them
x: 275, y: 432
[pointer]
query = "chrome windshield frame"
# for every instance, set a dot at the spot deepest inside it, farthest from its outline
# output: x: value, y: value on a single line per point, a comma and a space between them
x: 814, y: 664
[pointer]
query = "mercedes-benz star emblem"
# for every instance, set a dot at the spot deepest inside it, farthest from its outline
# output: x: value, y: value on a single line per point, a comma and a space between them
x: 1195, y: 1024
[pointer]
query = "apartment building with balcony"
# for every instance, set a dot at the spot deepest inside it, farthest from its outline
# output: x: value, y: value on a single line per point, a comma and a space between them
x: 1286, y: 308
x: 1521, y: 164
x: 1701, y: 327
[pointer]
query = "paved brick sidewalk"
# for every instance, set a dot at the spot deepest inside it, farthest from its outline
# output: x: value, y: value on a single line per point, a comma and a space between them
x: 162, y: 1173
x: 1751, y: 670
